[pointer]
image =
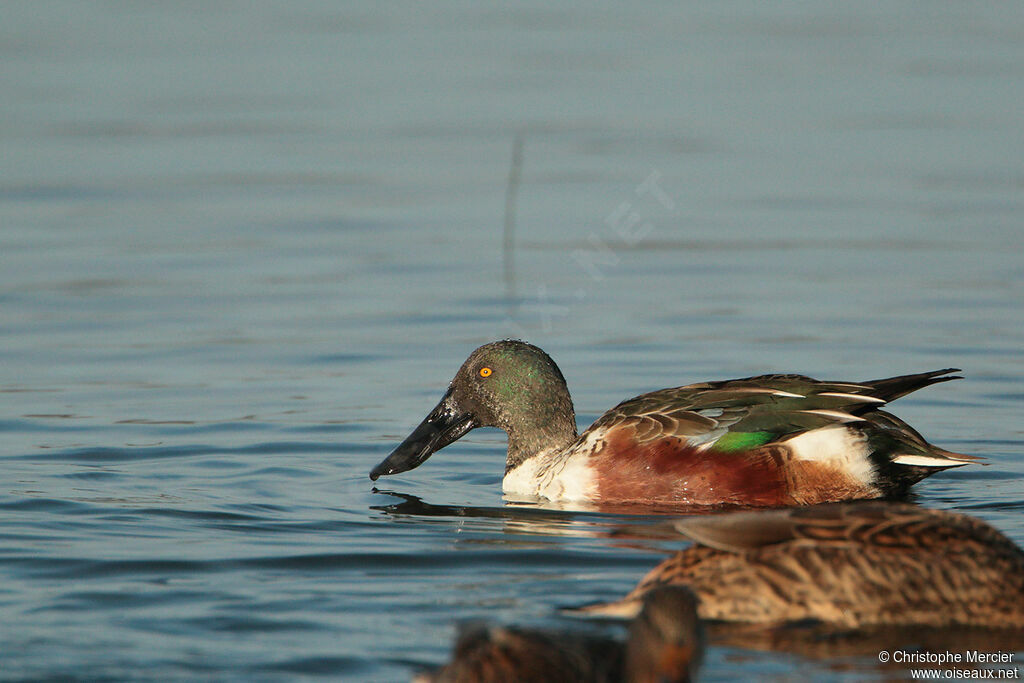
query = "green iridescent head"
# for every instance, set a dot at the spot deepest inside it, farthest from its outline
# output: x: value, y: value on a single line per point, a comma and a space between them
x: 507, y: 384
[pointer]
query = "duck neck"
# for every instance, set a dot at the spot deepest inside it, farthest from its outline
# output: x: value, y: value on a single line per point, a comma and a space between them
x: 550, y: 433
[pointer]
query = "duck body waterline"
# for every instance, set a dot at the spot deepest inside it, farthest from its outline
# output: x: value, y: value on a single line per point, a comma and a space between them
x: 770, y: 440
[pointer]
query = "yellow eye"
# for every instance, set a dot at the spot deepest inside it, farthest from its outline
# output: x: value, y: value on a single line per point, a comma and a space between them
x: 485, y: 372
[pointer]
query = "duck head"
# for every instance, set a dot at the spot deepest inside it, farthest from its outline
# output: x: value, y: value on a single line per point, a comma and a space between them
x: 666, y: 640
x: 508, y: 384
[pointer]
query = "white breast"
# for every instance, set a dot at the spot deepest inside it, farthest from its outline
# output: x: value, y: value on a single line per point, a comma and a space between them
x: 552, y: 478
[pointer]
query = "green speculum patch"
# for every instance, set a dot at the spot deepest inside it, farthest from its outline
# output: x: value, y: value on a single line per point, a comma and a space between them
x: 738, y: 441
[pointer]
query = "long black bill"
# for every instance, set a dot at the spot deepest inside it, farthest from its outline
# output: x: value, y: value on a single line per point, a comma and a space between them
x: 445, y: 423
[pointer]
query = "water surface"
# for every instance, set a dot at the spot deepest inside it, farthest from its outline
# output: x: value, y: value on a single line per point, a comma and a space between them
x: 243, y: 249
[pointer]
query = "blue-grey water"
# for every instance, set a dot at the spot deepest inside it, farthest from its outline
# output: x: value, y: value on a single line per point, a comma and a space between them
x: 244, y: 246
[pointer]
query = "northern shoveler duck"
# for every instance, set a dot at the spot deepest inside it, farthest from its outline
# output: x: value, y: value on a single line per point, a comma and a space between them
x: 665, y: 645
x: 771, y: 440
x: 851, y: 565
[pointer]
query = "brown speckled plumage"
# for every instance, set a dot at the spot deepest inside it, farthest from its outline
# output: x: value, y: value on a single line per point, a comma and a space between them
x: 665, y: 645
x: 849, y: 564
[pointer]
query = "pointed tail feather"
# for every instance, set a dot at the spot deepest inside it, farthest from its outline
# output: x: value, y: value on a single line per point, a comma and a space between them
x: 916, y: 451
x: 938, y: 458
x: 891, y: 388
x: 953, y: 455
